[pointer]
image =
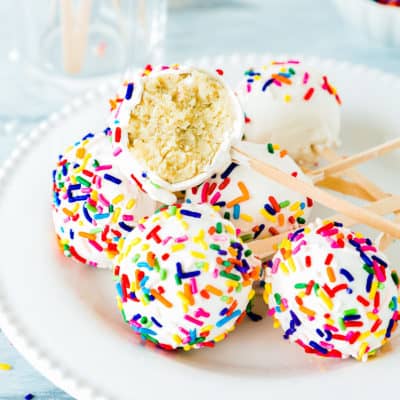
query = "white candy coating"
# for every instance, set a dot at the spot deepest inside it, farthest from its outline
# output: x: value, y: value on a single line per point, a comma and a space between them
x: 274, y: 99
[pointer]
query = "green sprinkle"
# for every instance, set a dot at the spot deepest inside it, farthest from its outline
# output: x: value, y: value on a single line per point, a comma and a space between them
x: 368, y: 269
x: 218, y: 227
x: 136, y: 258
x: 395, y: 278
x: 123, y: 315
x: 316, y: 287
x: 227, y: 215
x: 224, y: 298
x: 239, y: 287
x: 199, y: 264
x: 381, y: 285
x: 226, y: 263
x: 111, y: 208
x: 146, y: 298
x: 278, y: 299
x: 156, y: 185
x: 214, y: 246
x: 246, y: 237
x: 300, y: 285
x: 350, y: 311
x: 172, y: 210
x: 248, y: 253
x: 95, y: 230
x: 229, y: 275
x: 178, y: 280
x: 270, y: 148
x: 83, y: 181
x: 91, y: 208
x: 95, y: 163
x: 143, y: 320
x: 301, y: 220
x: 163, y: 274
x: 284, y: 204
x: 342, y: 326
x: 292, y: 71
x: 150, y: 338
x: 156, y: 265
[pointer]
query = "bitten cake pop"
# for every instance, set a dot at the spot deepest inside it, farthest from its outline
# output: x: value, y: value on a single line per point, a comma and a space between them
x: 290, y: 104
x: 184, y: 278
x: 257, y: 206
x: 333, y: 292
x: 94, y: 207
x: 172, y: 127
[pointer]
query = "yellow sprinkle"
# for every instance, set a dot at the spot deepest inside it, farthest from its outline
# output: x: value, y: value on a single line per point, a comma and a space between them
x: 291, y: 263
x: 206, y: 266
x: 130, y: 204
x: 266, y: 297
x: 119, y: 303
x: 185, y: 225
x: 135, y: 241
x: 133, y: 286
x: 233, y: 252
x: 144, y: 300
x: 295, y: 206
x: 5, y: 367
x: 220, y: 337
x: 206, y: 328
x: 120, y: 245
x: 187, y: 347
x: 372, y: 316
x: 380, y: 333
x: 70, y: 148
x: 276, y: 324
x: 117, y: 199
x: 84, y: 163
x: 374, y: 288
x: 325, y: 298
x: 116, y: 214
x: 246, y: 217
x: 251, y: 294
x: 257, y: 77
x: 184, y: 300
x: 177, y: 339
x: 268, y: 216
x: 145, y: 246
x: 283, y: 268
x: 230, y: 229
x: 177, y: 247
x: 363, y: 336
x: 232, y: 284
x: 287, y: 98
x: 363, y: 349
x: 330, y: 321
x: 94, y: 195
x: 298, y: 214
x: 197, y: 254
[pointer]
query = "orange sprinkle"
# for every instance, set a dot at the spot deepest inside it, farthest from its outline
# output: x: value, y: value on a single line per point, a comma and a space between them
x: 283, y: 153
x: 80, y: 152
x: 68, y: 212
x: 281, y: 219
x: 245, y: 195
x: 90, y: 236
x: 307, y: 311
x: 151, y: 258
x: 160, y: 298
x: 188, y: 293
x: 282, y: 79
x: 331, y: 274
x: 213, y: 290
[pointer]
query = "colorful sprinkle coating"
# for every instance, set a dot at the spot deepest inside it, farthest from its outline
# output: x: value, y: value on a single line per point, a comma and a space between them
x: 184, y: 278
x: 332, y: 292
x: 290, y: 104
x: 257, y: 206
x: 392, y: 3
x: 94, y: 207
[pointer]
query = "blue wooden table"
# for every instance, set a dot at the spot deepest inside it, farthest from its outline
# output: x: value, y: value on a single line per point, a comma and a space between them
x: 293, y: 26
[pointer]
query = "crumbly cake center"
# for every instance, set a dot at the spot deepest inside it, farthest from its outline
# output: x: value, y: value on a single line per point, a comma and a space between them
x: 179, y: 124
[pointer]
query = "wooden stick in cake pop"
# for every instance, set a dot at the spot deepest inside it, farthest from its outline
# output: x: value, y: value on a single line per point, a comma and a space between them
x: 338, y: 204
x: 264, y: 248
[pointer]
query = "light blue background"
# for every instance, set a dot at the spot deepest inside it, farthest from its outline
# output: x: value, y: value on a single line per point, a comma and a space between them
x: 308, y: 27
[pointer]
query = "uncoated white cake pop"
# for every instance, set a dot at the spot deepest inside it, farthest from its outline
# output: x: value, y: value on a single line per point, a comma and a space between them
x: 184, y: 278
x: 291, y: 104
x: 333, y: 292
x: 94, y: 205
x: 256, y: 205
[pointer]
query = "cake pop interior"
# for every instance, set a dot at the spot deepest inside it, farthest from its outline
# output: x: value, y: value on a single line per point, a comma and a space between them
x: 179, y: 124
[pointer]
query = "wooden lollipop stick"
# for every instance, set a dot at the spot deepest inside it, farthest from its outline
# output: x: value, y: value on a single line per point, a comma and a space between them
x: 307, y: 189
x: 346, y: 163
x: 384, y: 240
x: 264, y: 248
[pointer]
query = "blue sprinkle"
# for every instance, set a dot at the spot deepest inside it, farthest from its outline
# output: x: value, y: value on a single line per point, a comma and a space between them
x: 101, y: 216
x: 261, y: 227
x: 220, y: 204
x: 266, y: 84
x: 295, y: 318
x: 189, y: 213
x: 223, y: 311
x: 143, y: 281
x: 119, y: 290
x: 366, y: 259
x: 156, y: 322
x: 125, y: 226
x: 317, y: 347
x: 319, y: 332
x: 389, y: 328
x: 379, y: 261
x: 346, y: 274
x: 185, y: 275
x: 147, y: 331
x: 144, y: 264
x: 136, y: 317
x: 225, y: 320
x: 29, y: 396
x: 71, y: 234
x: 72, y: 199
x: 87, y: 215
x: 88, y: 136
x: 269, y: 209
x: 112, y: 179
x: 229, y: 170
x: 369, y: 282
x: 354, y: 317
x: 236, y: 211
x: 129, y: 91
x: 328, y: 335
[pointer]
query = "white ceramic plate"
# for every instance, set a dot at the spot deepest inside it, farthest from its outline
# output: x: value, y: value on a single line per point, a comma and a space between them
x: 63, y: 316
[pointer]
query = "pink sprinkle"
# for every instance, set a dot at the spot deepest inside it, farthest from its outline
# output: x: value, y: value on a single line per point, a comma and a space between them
x: 93, y: 264
x: 248, y: 87
x: 98, y: 182
x: 183, y: 330
x: 127, y: 217
x: 182, y: 239
x: 104, y: 200
x: 103, y: 167
x: 277, y: 83
x: 271, y: 312
x: 193, y: 286
x: 330, y: 232
x: 86, y: 190
x: 135, y: 323
x: 305, y: 78
x: 204, y: 192
x: 64, y: 196
x: 166, y: 240
x: 117, y: 151
x: 220, y: 238
x: 141, y: 227
x: 299, y: 246
x: 379, y: 272
x: 215, y: 273
x: 95, y: 245
x: 369, y: 248
x: 215, y: 198
x: 275, y: 265
x: 328, y: 346
x: 293, y: 62
x: 193, y: 320
x: 200, y: 312
x: 285, y: 302
x: 331, y: 328
x: 186, y: 340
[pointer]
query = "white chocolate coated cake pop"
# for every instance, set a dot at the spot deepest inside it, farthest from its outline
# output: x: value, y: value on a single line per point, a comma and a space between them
x: 94, y: 205
x: 173, y: 126
x: 333, y: 292
x: 290, y: 104
x: 184, y: 278
x: 256, y: 205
